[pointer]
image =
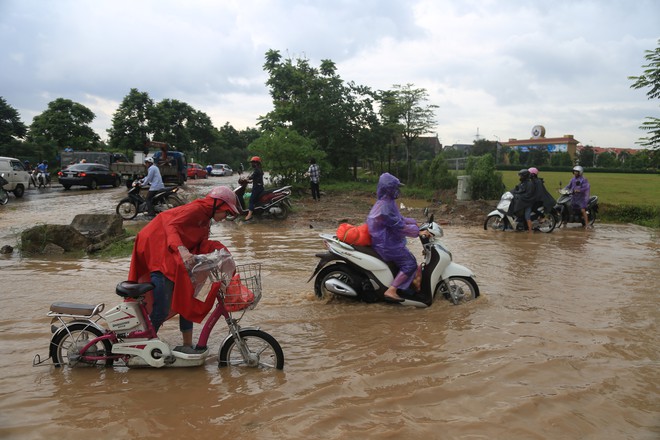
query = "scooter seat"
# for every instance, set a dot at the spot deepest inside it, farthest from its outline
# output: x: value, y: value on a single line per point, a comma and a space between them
x: 370, y: 251
x: 129, y: 289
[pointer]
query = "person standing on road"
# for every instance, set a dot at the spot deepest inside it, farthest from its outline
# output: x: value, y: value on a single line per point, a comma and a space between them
x: 314, y: 173
x: 155, y: 182
x: 257, y: 179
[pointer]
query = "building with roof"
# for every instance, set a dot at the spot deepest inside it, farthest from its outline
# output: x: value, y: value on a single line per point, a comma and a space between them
x: 567, y: 143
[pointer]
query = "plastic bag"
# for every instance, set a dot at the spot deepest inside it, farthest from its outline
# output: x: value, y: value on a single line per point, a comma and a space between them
x: 237, y: 295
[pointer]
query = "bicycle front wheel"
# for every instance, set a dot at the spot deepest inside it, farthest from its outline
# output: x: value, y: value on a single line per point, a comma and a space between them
x: 263, y: 351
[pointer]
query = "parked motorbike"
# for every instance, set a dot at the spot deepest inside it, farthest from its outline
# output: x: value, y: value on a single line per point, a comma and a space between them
x: 501, y: 220
x: 4, y: 196
x: 84, y: 335
x: 568, y: 214
x: 273, y: 202
x: 129, y: 207
x: 358, y: 272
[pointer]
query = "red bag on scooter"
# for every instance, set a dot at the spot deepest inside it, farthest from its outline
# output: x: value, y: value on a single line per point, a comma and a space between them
x: 354, y: 235
x: 237, y: 295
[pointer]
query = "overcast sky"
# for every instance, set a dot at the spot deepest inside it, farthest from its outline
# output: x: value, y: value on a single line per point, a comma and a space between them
x: 495, y: 67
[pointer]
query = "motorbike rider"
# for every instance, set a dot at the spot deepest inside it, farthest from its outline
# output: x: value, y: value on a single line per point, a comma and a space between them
x: 155, y: 182
x: 523, y: 198
x: 163, y: 253
x: 257, y: 180
x: 580, y: 188
x: 541, y: 195
x: 388, y: 230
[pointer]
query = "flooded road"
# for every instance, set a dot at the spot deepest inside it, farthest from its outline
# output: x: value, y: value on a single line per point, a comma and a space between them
x: 563, y: 343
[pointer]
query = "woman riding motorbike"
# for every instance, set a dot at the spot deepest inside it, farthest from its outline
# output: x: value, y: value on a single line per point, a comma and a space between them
x: 523, y: 198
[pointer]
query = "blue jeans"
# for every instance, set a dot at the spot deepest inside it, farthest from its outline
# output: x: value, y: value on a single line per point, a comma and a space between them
x: 163, y: 301
x: 254, y: 197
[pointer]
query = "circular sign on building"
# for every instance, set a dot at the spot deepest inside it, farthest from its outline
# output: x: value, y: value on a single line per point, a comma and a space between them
x: 538, y: 131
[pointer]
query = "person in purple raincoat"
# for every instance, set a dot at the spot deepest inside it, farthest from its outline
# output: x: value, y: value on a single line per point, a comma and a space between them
x: 579, y: 186
x: 388, y: 230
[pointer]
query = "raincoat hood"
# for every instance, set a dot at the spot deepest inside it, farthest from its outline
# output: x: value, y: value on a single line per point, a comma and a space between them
x: 388, y: 187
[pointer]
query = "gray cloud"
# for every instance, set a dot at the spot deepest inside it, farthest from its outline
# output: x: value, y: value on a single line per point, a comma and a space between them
x: 502, y: 66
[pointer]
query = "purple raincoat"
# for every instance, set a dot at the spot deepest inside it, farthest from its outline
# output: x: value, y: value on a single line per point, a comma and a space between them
x: 580, y: 199
x: 389, y: 229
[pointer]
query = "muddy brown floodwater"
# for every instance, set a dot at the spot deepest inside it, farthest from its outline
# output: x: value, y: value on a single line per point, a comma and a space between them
x: 562, y: 344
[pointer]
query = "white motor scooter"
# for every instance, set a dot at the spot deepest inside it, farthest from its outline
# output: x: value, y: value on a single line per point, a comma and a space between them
x: 500, y: 219
x: 358, y: 272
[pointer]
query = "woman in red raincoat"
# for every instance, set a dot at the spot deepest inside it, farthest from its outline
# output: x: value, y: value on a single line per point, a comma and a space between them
x: 166, y: 245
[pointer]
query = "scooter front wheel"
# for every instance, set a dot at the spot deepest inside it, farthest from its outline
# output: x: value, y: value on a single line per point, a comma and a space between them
x: 66, y: 344
x: 127, y: 210
x: 494, y: 223
x: 458, y: 289
x: 263, y: 351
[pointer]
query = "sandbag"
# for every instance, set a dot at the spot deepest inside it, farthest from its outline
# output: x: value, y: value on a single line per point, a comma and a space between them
x: 354, y: 235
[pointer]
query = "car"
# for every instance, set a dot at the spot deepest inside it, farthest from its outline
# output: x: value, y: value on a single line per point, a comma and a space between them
x: 91, y: 175
x: 221, y: 169
x: 14, y: 172
x: 196, y: 171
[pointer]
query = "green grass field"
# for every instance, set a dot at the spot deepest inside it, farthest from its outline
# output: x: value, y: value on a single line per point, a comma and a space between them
x: 611, y: 188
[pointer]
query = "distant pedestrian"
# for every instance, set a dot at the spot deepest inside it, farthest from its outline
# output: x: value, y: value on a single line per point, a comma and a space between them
x: 240, y: 169
x: 314, y: 174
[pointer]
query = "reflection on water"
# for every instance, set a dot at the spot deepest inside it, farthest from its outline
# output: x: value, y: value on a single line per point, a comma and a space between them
x: 562, y: 344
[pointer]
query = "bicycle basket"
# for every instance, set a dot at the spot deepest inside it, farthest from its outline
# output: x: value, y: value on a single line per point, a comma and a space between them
x: 244, y: 289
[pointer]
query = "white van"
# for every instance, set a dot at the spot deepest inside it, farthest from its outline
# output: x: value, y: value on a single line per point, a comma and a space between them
x: 12, y: 169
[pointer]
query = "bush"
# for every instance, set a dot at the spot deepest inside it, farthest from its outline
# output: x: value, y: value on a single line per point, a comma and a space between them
x: 485, y: 182
x: 438, y: 175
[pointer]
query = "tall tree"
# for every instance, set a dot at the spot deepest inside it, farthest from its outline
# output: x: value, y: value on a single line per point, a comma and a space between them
x: 66, y: 124
x: 318, y: 105
x: 415, y: 119
x: 130, y: 123
x: 650, y: 79
x: 170, y: 124
x: 11, y: 126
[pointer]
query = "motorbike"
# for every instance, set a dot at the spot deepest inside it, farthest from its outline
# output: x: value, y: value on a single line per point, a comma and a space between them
x: 4, y: 196
x: 129, y: 207
x: 273, y: 202
x: 41, y: 178
x: 501, y: 220
x: 567, y: 214
x: 85, y: 335
x: 358, y: 272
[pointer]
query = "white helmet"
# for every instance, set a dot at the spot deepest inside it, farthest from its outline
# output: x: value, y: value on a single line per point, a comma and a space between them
x: 149, y: 160
x: 579, y: 169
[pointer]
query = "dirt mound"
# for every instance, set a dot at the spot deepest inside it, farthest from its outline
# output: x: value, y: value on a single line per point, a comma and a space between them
x: 353, y: 208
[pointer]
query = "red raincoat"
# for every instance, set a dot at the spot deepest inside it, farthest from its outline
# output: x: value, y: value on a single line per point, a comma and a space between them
x: 156, y: 250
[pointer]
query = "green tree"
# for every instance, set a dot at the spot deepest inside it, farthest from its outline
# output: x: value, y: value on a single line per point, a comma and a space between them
x: 560, y: 159
x: 607, y: 160
x: 587, y: 156
x: 318, y: 105
x: 130, y: 122
x: 650, y: 79
x: 170, y: 123
x: 285, y: 153
x: 485, y: 182
x: 438, y: 175
x: 406, y: 112
x: 65, y: 123
x: 11, y: 126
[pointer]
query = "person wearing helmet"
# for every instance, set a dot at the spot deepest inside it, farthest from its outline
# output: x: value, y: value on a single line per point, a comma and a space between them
x: 257, y: 180
x: 580, y: 188
x: 155, y: 182
x: 541, y: 195
x: 163, y: 252
x: 523, y: 198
